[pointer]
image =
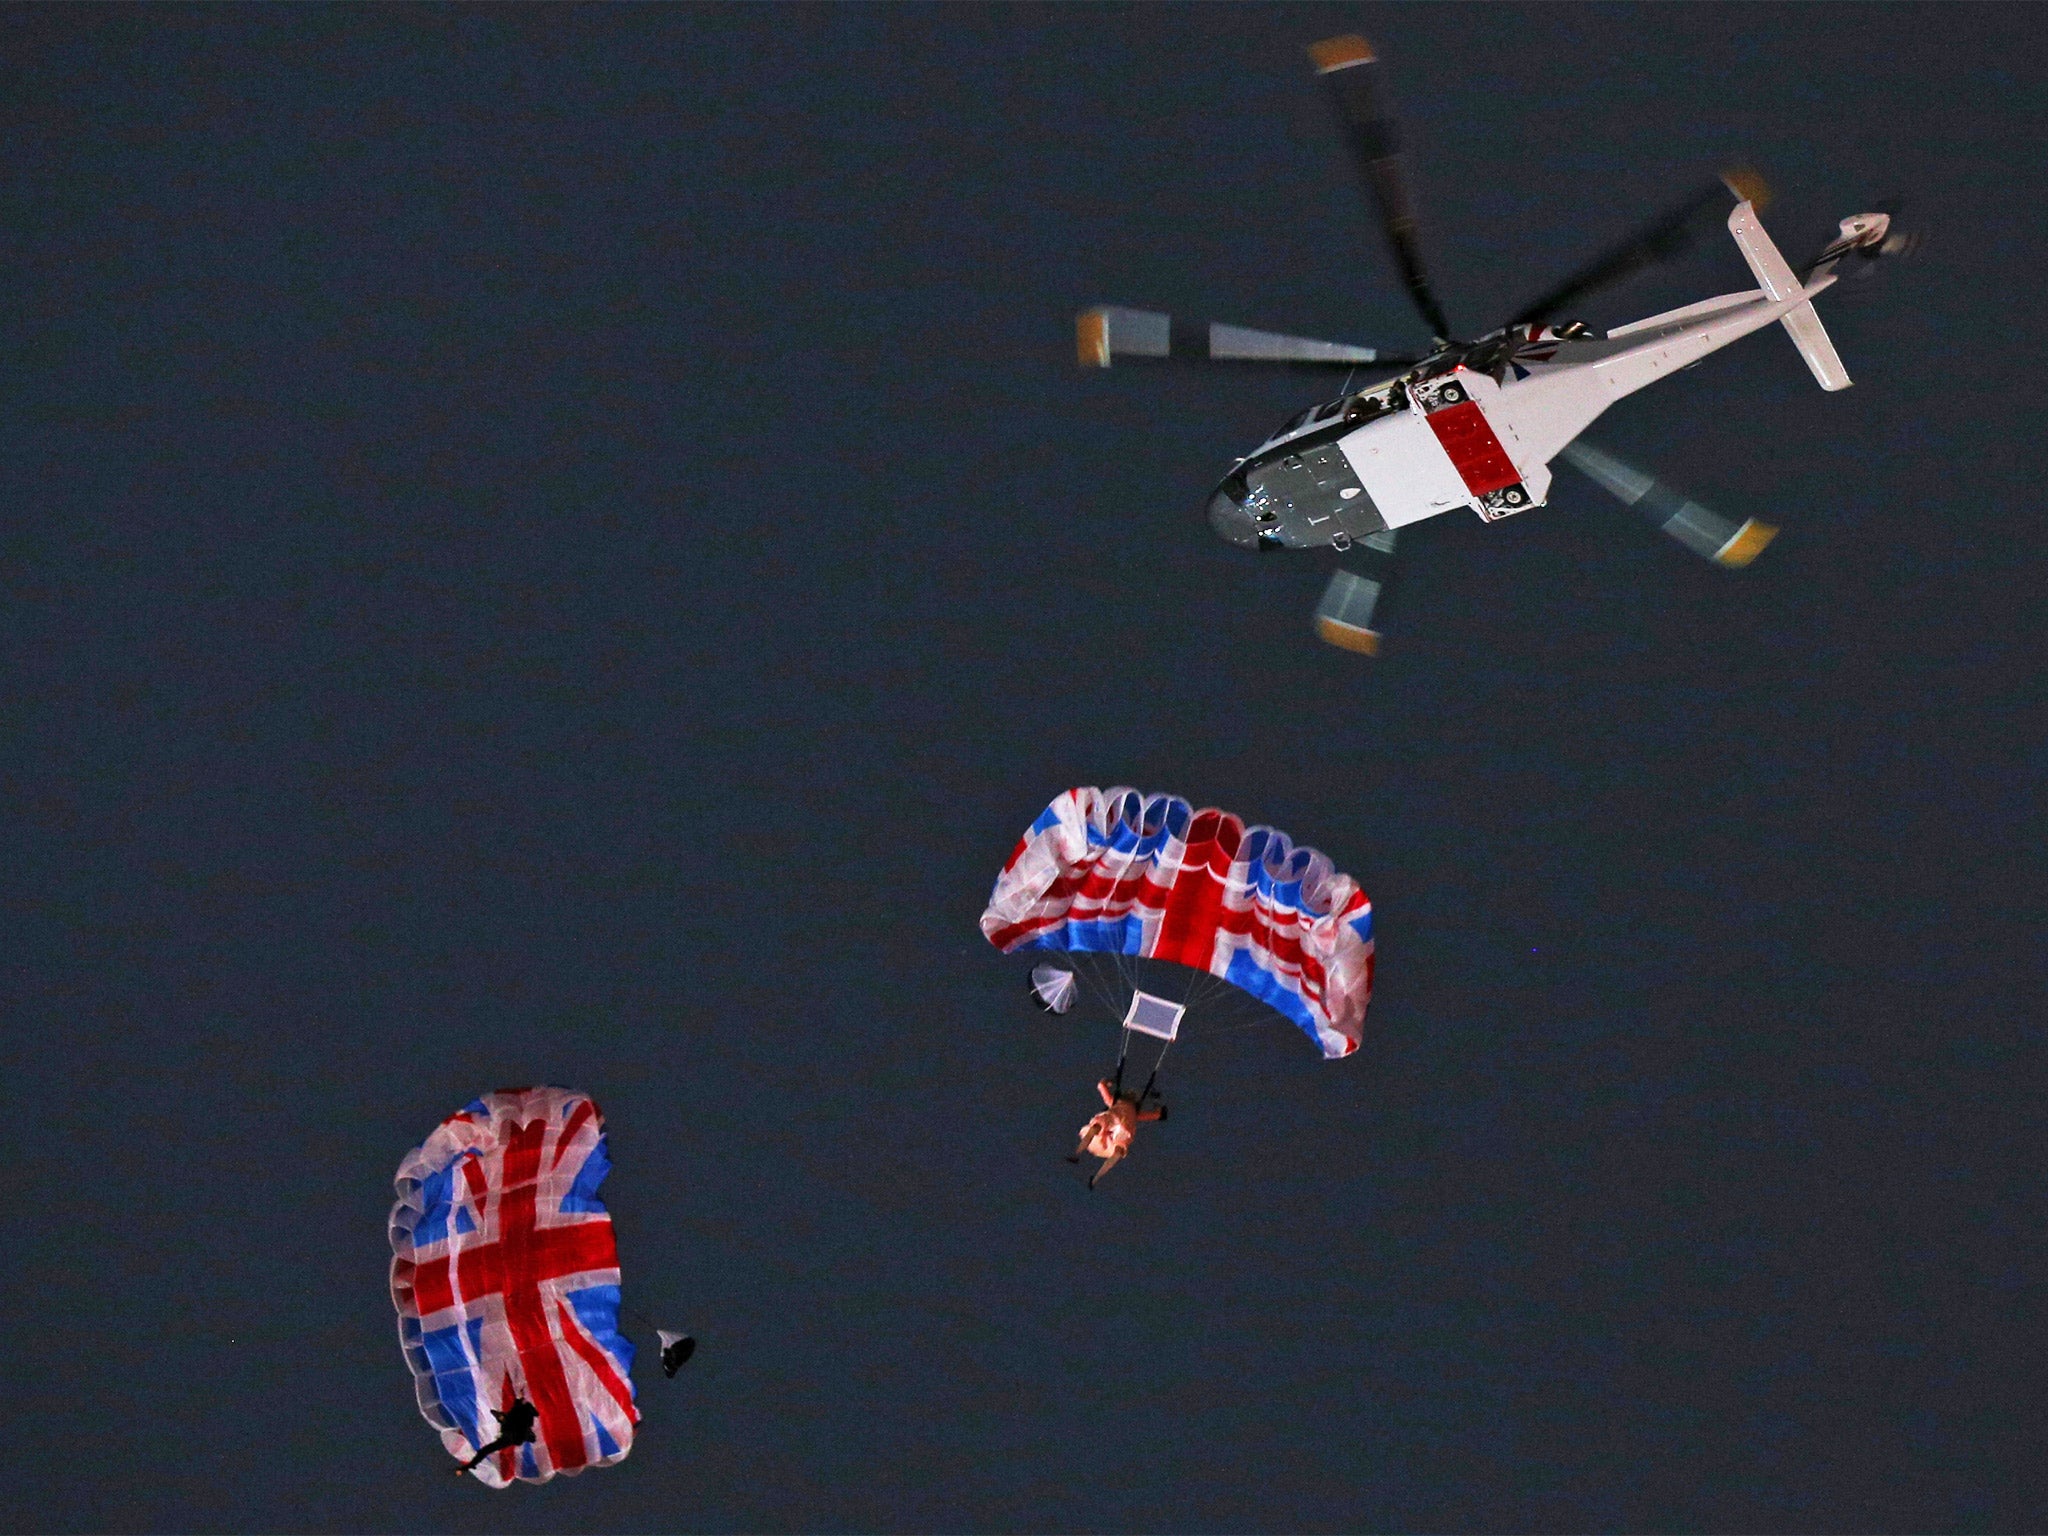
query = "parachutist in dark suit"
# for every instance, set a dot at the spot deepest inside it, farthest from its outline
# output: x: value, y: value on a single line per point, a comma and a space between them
x: 675, y: 1349
x: 515, y: 1428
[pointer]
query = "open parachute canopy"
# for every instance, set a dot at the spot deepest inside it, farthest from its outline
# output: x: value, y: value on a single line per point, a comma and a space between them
x: 1118, y: 872
x: 505, y: 1274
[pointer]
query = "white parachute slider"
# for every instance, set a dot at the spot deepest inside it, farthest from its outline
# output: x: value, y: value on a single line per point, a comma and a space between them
x: 1154, y: 1016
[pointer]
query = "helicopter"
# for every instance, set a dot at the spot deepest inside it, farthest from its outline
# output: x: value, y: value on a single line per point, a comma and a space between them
x: 1476, y: 424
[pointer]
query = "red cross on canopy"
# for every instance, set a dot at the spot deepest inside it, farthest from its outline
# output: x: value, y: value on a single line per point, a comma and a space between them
x: 513, y: 1267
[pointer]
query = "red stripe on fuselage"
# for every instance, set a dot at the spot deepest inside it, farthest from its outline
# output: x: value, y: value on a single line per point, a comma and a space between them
x: 1475, y: 452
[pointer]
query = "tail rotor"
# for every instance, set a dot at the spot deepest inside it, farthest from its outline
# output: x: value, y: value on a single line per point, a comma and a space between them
x: 1863, y: 240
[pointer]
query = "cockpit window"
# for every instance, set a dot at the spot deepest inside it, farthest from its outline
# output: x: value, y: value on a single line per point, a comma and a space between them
x: 1297, y: 421
x: 1326, y: 412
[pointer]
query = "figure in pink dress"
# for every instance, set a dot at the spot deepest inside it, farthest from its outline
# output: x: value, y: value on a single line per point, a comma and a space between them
x: 1109, y: 1135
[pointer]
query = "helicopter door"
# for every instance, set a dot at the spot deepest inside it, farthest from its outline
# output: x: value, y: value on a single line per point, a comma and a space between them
x: 1454, y: 407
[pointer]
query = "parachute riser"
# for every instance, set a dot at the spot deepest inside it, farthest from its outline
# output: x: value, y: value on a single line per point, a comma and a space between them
x: 1116, y: 1084
x: 673, y: 1348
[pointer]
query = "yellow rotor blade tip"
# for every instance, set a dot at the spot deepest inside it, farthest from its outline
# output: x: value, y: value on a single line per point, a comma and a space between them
x: 1747, y: 183
x: 1348, y: 637
x: 1748, y: 543
x: 1340, y: 53
x: 1091, y: 339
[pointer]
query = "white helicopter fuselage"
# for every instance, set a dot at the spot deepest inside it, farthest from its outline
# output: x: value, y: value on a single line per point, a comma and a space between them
x: 1441, y: 438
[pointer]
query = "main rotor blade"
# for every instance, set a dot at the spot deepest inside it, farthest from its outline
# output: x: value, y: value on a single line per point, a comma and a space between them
x: 1103, y: 336
x: 1700, y: 529
x: 1352, y: 615
x: 1108, y: 332
x: 1237, y: 343
x: 1374, y: 137
x: 1664, y: 238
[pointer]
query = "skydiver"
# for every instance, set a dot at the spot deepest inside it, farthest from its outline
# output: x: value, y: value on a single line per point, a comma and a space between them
x: 1109, y: 1135
x: 515, y: 1428
x: 675, y: 1349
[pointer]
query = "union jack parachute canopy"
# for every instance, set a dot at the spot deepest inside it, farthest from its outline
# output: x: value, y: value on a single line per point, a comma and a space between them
x: 505, y: 1274
x: 1118, y: 872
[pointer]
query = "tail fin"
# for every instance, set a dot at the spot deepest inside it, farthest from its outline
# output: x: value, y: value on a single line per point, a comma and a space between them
x: 1779, y: 282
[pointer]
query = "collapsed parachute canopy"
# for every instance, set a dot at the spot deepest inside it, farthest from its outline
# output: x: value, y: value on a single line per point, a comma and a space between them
x: 506, y: 1279
x: 1118, y: 872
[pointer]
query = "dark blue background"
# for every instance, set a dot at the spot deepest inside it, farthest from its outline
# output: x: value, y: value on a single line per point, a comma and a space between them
x: 564, y: 545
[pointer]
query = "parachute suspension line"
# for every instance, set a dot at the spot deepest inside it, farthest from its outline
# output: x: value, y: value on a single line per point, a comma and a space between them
x: 1107, y: 988
x: 1266, y: 1020
x: 1115, y: 983
x: 1202, y: 992
x: 676, y: 1348
x: 1146, y: 1092
x: 1127, y: 969
x: 1087, y: 970
x: 1226, y: 1008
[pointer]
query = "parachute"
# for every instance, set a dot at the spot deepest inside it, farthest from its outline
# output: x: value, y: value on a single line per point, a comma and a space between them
x: 1053, y: 986
x: 1148, y: 876
x: 505, y: 1274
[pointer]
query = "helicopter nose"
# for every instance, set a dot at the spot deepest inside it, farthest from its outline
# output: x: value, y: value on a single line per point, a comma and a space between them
x: 1232, y: 523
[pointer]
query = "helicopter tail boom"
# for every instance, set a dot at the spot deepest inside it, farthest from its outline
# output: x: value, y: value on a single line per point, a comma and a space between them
x: 1779, y: 283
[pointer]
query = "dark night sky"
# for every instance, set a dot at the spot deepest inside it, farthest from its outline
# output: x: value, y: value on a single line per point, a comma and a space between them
x: 565, y: 545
